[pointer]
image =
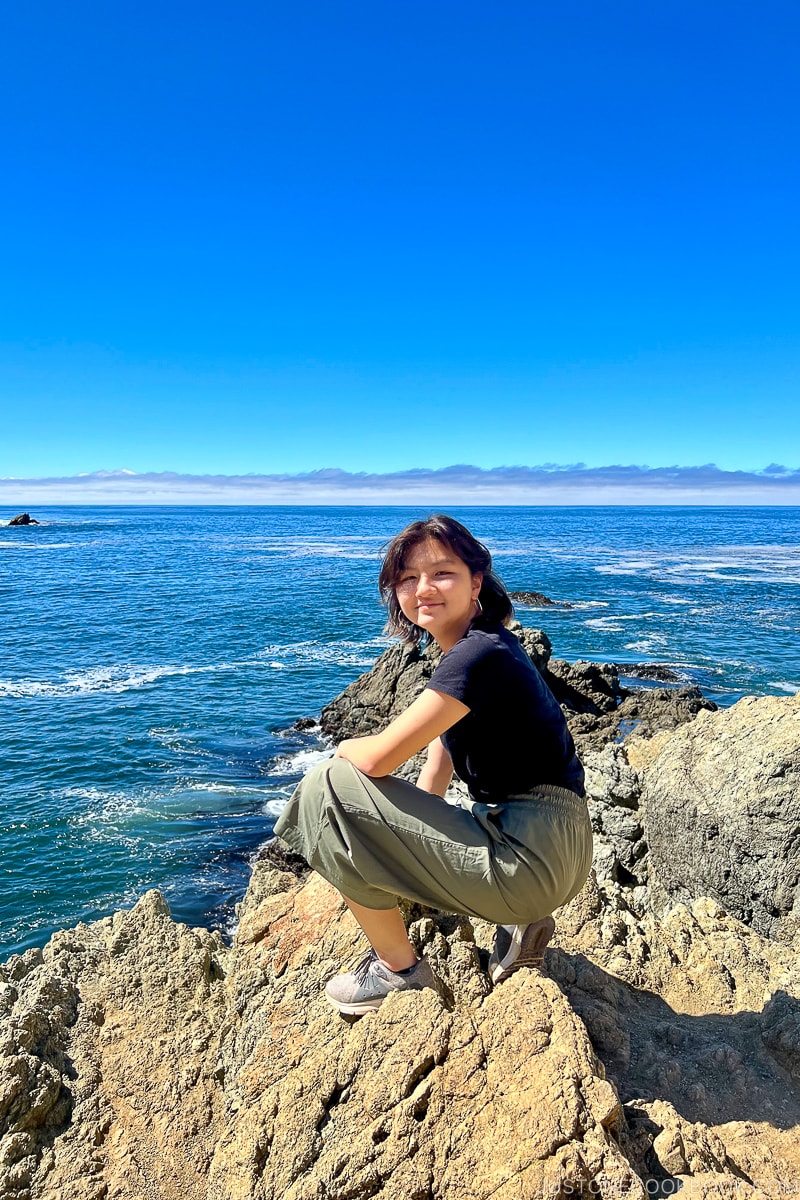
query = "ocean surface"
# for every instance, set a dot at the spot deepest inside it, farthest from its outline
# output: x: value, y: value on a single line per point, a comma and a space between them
x: 155, y: 659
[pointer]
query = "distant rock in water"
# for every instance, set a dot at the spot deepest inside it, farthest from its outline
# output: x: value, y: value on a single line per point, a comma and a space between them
x: 538, y: 600
x: 656, y: 671
x: 23, y: 519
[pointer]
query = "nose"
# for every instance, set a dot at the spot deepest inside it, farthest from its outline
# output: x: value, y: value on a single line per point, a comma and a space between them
x: 424, y: 585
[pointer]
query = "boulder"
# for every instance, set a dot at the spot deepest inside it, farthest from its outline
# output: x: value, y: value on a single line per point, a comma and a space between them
x: 145, y: 1059
x: 721, y: 803
x: 23, y: 519
x: 537, y: 600
x: 641, y: 712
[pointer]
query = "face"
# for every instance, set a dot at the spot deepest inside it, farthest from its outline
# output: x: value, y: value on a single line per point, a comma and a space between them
x: 437, y: 591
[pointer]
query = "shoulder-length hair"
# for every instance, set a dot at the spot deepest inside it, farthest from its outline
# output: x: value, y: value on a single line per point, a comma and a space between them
x: 496, y: 607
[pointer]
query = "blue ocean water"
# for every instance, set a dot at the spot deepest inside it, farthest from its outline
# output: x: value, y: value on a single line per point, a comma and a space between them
x: 154, y: 660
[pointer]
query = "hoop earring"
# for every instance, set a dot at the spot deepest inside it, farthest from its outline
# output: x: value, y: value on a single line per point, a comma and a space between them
x: 479, y: 607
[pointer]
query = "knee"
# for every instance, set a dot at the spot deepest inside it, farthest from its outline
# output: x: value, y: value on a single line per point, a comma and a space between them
x: 326, y: 775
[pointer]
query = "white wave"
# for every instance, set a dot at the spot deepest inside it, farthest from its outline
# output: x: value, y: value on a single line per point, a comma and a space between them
x: 347, y: 654
x: 123, y: 677
x: 104, y: 806
x: 275, y: 806
x: 94, y: 680
x: 233, y: 790
x: 790, y: 688
x: 606, y: 624
x: 582, y: 604
x: 299, y: 763
x: 37, y: 545
x: 616, y: 570
x: 645, y: 645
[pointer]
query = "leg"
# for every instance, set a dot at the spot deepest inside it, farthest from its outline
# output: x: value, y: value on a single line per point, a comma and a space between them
x: 386, y: 932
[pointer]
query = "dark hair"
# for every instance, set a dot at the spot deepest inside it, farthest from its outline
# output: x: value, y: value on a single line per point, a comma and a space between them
x: 495, y: 603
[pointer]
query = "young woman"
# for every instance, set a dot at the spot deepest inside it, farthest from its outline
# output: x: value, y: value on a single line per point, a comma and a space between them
x: 520, y: 846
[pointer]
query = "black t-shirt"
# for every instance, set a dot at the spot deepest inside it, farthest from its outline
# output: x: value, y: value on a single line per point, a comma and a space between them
x: 515, y: 735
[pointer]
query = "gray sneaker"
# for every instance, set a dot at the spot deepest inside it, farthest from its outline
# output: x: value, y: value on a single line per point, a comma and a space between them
x: 518, y: 946
x: 370, y: 982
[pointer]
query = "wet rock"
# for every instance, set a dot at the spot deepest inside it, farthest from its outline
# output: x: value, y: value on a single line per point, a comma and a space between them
x: 655, y: 671
x: 537, y: 600
x: 23, y: 519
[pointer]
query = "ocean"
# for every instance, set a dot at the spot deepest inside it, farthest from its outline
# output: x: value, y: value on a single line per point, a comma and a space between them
x: 155, y: 660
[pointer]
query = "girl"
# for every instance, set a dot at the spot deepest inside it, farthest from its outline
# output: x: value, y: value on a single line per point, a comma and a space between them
x: 520, y: 846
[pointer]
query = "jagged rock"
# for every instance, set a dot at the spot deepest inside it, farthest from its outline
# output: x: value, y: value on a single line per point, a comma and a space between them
x: 107, y: 1071
x: 655, y: 671
x: 613, y: 788
x: 23, y: 519
x: 721, y: 803
x: 584, y: 687
x: 642, y: 713
x: 639, y: 1056
x: 537, y: 600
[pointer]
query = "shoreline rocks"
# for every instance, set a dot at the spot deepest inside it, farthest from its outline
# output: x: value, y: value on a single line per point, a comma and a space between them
x: 658, y: 1049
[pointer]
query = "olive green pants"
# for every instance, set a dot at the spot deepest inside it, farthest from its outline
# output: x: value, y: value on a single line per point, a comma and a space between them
x: 377, y: 839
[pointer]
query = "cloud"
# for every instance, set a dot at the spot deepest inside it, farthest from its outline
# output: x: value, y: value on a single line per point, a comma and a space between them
x: 549, y: 483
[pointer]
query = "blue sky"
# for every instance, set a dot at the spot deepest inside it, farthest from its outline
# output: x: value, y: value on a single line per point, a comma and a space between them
x: 272, y: 239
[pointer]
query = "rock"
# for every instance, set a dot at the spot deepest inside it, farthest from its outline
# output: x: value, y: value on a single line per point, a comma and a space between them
x: 656, y: 671
x: 537, y: 600
x: 583, y: 687
x: 721, y: 805
x: 642, y: 713
x: 23, y: 519
x: 613, y: 788
x: 143, y: 1059
x: 106, y: 1076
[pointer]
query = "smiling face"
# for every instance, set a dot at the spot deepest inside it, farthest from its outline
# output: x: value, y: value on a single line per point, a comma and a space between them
x: 437, y: 591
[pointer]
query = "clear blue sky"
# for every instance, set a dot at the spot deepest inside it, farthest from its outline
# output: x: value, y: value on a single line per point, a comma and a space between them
x: 263, y: 237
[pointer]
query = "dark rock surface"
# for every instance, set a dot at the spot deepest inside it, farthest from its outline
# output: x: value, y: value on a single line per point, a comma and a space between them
x: 537, y: 600
x: 23, y: 519
x: 656, y: 671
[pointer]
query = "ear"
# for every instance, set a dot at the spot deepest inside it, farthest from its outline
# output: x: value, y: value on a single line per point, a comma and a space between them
x: 477, y: 583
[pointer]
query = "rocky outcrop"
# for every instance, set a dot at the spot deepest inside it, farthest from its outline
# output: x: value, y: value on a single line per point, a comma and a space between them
x: 537, y: 600
x: 658, y: 1048
x: 23, y: 519
x: 721, y: 808
x: 150, y: 1061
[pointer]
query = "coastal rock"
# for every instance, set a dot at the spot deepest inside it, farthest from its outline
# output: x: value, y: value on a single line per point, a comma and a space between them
x: 643, y: 713
x: 721, y: 804
x: 648, y: 1052
x: 23, y: 519
x: 537, y: 600
x: 107, y: 1075
x: 655, y: 671
x: 613, y: 789
x: 584, y: 687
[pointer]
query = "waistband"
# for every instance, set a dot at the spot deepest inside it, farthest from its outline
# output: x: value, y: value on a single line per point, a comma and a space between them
x: 544, y: 793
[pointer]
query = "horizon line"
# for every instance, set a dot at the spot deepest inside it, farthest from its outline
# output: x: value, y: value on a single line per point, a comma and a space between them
x: 568, y: 485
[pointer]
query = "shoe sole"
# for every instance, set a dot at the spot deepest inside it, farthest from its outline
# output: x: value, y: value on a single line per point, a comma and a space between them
x: 354, y: 1010
x: 527, y: 953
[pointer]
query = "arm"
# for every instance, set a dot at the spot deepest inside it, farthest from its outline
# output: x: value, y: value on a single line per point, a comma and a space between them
x: 423, y: 721
x: 435, y: 776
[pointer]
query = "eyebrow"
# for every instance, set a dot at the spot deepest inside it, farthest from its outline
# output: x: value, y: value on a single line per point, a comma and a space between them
x: 439, y: 562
